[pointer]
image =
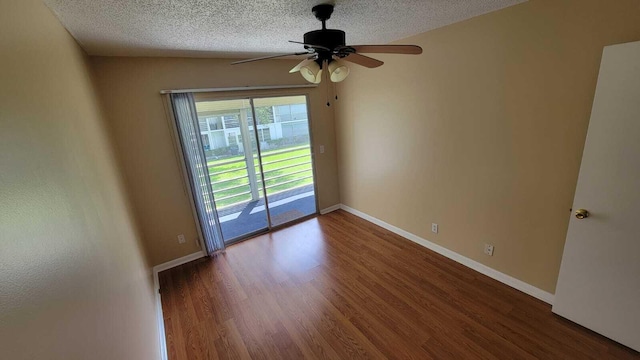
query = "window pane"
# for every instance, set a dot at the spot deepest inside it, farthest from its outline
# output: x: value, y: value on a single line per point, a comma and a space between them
x: 215, y: 123
x: 231, y: 121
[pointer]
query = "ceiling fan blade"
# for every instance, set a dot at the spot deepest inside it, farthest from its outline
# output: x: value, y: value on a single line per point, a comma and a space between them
x: 363, y: 60
x: 268, y: 57
x: 311, y: 46
x: 388, y: 49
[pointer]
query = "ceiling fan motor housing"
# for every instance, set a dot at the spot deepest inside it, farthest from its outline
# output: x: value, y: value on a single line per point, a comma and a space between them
x: 328, y: 38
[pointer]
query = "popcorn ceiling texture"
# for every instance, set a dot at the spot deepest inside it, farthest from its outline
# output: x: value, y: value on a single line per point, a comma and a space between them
x: 231, y: 28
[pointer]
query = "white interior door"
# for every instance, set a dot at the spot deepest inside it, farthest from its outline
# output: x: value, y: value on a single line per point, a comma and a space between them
x: 599, y: 283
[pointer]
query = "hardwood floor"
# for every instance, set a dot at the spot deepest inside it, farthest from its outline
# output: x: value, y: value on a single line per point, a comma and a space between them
x: 338, y: 287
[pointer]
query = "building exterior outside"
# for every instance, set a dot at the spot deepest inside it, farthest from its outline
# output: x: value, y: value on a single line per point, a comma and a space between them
x: 277, y: 125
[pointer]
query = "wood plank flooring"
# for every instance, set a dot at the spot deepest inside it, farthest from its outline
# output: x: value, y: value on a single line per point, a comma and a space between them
x: 339, y: 287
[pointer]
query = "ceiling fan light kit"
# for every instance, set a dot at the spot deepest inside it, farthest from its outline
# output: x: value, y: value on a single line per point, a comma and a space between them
x: 327, y: 49
x: 300, y: 65
x: 312, y: 72
x: 338, y: 70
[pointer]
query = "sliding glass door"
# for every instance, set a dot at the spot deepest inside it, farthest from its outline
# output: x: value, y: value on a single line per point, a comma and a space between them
x: 228, y: 138
x: 259, y: 162
x: 283, y: 127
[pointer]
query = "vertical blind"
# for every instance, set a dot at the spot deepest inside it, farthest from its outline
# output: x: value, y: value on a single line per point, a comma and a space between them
x: 186, y: 118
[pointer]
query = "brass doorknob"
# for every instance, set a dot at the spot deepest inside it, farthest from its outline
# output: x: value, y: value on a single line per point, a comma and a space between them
x: 582, y: 213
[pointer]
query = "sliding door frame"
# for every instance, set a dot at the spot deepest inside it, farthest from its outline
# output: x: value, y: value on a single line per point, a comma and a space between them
x: 261, y: 94
x: 259, y: 150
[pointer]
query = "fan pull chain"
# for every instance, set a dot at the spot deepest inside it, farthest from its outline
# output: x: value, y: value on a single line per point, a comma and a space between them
x: 327, y: 81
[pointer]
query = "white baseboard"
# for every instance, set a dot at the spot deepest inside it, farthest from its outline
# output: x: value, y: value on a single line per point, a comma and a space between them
x: 156, y: 288
x: 177, y: 262
x: 330, y: 209
x: 481, y: 268
x: 159, y: 318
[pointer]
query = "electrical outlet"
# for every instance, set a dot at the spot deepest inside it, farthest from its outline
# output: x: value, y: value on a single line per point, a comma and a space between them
x: 321, y: 149
x: 488, y: 249
x: 434, y: 228
x: 181, y: 239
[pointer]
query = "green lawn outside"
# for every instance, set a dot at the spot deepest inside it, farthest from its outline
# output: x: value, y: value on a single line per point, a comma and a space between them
x: 237, y: 170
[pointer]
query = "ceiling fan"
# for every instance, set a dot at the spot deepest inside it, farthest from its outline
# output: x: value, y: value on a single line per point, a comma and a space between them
x: 326, y: 49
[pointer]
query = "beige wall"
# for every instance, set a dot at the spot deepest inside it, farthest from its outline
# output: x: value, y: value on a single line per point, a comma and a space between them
x: 73, y: 281
x: 483, y: 133
x: 130, y: 90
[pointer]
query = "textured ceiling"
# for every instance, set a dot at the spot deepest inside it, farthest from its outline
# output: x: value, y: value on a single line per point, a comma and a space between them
x: 229, y: 28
